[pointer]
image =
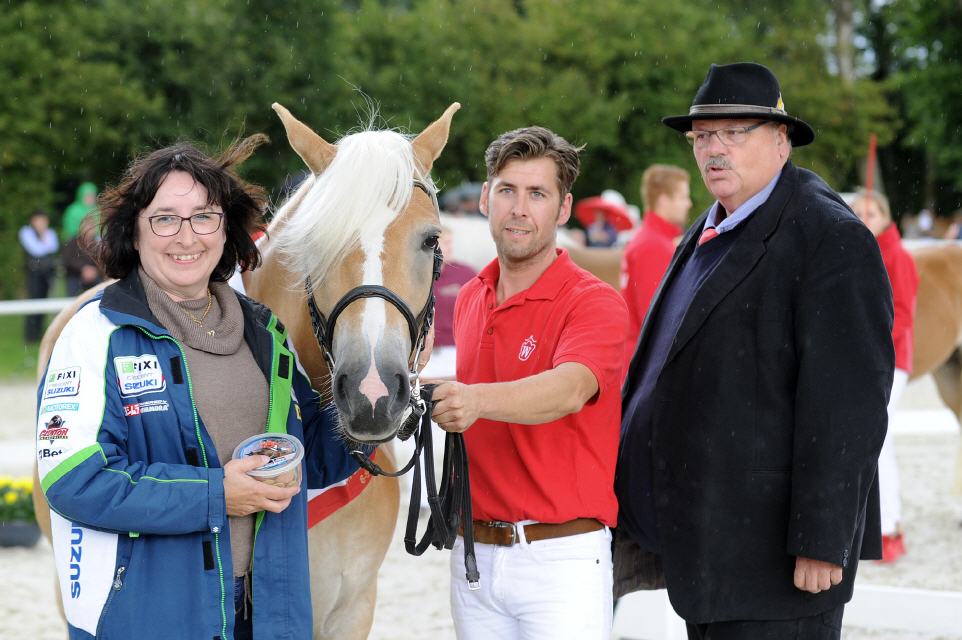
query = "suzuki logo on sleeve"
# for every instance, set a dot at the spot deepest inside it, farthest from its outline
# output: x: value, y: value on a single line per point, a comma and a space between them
x: 527, y: 348
x: 62, y: 382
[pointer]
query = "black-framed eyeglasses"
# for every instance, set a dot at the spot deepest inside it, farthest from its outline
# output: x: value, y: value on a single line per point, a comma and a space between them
x: 201, y: 223
x: 729, y: 136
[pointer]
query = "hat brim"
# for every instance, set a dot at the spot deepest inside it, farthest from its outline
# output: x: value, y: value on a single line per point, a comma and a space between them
x: 799, y: 132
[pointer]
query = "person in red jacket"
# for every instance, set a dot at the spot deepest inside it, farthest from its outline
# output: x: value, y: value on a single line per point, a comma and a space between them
x: 665, y: 194
x: 873, y: 209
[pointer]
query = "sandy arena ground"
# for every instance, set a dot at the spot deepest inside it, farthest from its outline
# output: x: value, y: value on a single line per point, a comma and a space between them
x: 413, y: 601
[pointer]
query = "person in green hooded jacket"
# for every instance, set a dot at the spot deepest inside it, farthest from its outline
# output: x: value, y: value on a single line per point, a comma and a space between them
x: 79, y: 268
x: 73, y: 215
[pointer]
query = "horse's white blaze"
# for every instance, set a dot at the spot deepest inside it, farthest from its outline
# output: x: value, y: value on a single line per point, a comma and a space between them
x: 374, y: 315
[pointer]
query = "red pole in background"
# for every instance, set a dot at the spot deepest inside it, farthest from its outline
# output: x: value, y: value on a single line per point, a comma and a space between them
x: 870, y: 163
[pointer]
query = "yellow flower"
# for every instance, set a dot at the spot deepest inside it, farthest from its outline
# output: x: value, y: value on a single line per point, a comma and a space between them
x: 24, y: 484
x: 10, y: 497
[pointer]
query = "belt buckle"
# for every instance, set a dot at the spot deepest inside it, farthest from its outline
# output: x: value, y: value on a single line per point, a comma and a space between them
x: 498, y: 524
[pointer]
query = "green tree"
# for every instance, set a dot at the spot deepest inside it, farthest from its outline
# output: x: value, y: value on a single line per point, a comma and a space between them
x: 928, y: 46
x: 602, y: 74
x: 89, y: 85
x: 64, y: 110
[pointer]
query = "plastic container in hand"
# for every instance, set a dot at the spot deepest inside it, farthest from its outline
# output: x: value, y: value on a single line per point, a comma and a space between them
x: 285, y: 453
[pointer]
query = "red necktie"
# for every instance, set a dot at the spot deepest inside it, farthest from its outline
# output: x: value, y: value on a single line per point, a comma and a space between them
x: 707, y: 235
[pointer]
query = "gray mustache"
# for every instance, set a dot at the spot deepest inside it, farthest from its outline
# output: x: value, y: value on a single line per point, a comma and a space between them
x: 717, y: 162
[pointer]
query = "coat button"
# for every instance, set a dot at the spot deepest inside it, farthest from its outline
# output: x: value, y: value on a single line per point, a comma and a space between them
x: 490, y: 330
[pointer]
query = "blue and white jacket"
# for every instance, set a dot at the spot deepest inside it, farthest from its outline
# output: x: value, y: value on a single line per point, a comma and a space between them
x: 140, y: 531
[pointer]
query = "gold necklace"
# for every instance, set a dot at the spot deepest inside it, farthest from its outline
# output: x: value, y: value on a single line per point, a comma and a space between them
x: 200, y: 323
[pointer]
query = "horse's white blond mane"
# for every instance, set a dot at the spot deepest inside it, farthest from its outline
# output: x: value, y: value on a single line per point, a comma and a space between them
x: 367, y: 185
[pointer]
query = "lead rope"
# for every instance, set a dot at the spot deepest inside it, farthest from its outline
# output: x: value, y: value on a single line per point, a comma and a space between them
x: 450, y: 507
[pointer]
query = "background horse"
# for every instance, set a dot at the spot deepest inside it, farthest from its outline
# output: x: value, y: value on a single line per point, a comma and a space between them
x: 357, y: 219
x: 938, y: 325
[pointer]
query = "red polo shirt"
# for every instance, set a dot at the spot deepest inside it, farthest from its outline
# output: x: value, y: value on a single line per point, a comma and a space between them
x: 643, y: 264
x: 560, y: 470
x: 905, y: 284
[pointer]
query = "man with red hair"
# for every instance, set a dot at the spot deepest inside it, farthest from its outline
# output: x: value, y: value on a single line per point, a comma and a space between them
x: 665, y: 194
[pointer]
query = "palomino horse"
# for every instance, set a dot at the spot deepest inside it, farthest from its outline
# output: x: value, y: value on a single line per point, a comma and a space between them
x: 357, y: 219
x: 366, y: 216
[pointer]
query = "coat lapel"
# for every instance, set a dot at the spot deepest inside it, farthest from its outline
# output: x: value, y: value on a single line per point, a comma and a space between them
x: 741, y: 258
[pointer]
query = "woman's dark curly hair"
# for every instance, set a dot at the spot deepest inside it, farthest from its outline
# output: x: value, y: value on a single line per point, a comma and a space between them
x: 243, y: 205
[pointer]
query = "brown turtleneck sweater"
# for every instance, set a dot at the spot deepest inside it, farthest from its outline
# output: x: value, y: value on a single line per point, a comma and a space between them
x: 230, y: 391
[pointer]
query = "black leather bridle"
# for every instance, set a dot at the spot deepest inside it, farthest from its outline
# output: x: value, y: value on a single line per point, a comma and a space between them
x: 451, y: 505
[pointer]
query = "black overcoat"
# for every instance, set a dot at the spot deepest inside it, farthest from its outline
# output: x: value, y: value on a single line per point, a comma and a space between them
x: 769, y: 414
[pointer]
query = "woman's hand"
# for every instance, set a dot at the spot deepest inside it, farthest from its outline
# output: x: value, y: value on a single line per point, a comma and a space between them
x: 245, y: 495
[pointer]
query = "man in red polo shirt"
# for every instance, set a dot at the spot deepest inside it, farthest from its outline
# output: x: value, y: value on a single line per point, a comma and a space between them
x: 539, y: 347
x: 665, y: 194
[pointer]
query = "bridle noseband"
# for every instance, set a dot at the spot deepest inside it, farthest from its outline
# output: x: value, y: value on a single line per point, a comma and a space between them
x: 418, y: 326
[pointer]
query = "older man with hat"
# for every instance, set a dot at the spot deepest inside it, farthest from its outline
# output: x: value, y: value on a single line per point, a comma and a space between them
x: 755, y: 405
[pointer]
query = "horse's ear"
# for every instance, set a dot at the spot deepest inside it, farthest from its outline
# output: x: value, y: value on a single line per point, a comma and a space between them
x: 430, y: 142
x: 314, y: 150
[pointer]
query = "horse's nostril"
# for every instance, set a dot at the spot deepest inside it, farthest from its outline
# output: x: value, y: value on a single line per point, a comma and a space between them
x: 401, y: 394
x: 340, y: 384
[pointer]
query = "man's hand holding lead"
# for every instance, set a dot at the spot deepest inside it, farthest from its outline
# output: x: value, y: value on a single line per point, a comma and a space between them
x: 456, y: 406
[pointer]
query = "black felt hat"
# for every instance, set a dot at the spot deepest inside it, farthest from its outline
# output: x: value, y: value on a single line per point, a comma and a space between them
x: 741, y: 90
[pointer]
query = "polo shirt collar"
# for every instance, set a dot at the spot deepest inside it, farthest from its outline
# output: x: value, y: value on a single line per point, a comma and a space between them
x: 659, y: 226
x: 546, y: 287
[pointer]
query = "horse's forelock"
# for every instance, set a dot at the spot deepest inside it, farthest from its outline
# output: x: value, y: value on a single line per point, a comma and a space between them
x: 367, y: 185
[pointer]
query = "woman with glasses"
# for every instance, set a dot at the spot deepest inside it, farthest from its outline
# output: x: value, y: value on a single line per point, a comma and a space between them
x: 157, y: 531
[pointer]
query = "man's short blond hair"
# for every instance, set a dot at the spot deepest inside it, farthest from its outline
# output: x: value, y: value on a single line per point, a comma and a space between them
x: 661, y: 179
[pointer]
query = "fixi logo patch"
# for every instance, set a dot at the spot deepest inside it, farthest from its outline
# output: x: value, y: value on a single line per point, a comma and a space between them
x: 137, y: 375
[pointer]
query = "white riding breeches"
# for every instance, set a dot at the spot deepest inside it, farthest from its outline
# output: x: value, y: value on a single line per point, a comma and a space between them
x: 558, y: 588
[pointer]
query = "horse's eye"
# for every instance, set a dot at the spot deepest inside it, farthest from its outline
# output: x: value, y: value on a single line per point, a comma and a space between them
x: 431, y: 242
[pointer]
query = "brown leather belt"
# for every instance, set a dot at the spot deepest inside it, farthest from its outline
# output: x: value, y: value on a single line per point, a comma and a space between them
x: 505, y: 534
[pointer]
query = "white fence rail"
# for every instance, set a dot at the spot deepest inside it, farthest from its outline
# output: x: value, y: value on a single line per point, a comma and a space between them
x: 38, y: 305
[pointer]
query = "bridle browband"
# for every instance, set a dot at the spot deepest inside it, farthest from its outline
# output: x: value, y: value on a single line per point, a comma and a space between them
x: 451, y: 505
x: 418, y: 326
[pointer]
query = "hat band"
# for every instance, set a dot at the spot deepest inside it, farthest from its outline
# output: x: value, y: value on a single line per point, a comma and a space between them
x: 716, y: 109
